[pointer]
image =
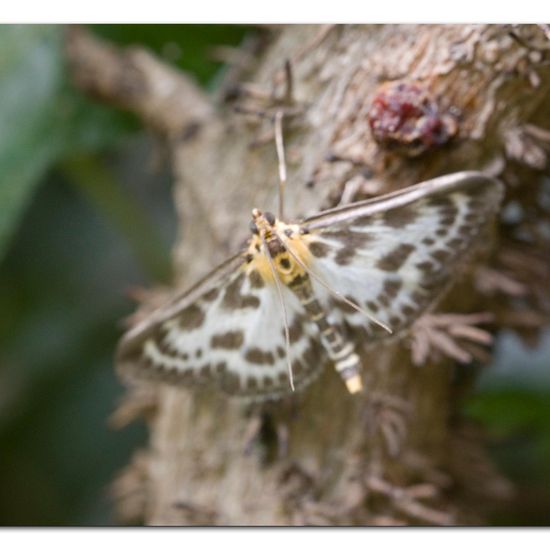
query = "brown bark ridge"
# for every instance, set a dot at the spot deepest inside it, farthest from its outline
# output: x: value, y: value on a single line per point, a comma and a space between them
x: 400, y: 453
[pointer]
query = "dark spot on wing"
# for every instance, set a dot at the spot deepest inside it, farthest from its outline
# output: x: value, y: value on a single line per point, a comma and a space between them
x: 441, y: 255
x: 395, y: 321
x: 296, y: 329
x: 407, y: 310
x: 220, y: 367
x: 399, y: 217
x: 256, y: 280
x: 392, y: 287
x: 166, y: 347
x: 355, y: 239
x: 204, y: 372
x: 319, y: 249
x: 372, y: 306
x: 440, y: 201
x: 344, y: 255
x: 297, y: 368
x: 191, y: 317
x: 426, y: 267
x: 230, y: 340
x: 259, y: 357
x: 396, y: 258
x: 384, y: 299
x: 456, y: 243
x: 233, y: 299
x: 344, y: 306
x: 211, y: 295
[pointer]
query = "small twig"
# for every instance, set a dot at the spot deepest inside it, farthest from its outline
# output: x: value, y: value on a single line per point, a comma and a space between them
x: 134, y: 79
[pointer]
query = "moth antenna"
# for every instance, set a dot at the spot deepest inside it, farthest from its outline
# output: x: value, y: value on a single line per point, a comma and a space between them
x: 279, y: 144
x: 336, y: 293
x: 283, y: 309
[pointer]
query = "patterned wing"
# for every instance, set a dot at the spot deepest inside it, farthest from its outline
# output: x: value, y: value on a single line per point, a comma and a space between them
x: 226, y: 332
x: 394, y: 255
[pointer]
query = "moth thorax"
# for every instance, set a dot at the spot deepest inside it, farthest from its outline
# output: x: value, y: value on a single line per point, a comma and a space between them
x: 288, y: 269
x: 275, y: 246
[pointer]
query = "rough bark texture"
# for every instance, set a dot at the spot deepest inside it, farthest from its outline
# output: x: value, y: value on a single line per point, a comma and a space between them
x: 399, y: 453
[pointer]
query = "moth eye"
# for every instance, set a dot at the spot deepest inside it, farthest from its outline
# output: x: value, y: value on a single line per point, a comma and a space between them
x: 304, y: 231
x: 248, y: 258
x: 253, y: 228
x: 288, y: 232
x: 270, y: 218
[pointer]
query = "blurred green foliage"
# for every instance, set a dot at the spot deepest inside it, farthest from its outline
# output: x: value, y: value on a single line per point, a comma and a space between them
x: 42, y: 119
x: 512, y: 403
x: 82, y: 220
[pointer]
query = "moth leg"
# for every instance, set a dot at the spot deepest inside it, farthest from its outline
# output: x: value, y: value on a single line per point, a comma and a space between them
x: 252, y: 433
x: 268, y: 433
x: 262, y: 435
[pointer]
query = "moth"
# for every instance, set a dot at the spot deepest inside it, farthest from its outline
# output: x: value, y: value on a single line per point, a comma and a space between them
x: 300, y: 295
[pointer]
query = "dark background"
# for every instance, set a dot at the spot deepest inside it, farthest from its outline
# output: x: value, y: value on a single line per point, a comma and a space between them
x: 85, y: 217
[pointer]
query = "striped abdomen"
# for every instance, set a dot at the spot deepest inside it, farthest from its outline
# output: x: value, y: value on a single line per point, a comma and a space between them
x: 342, y: 352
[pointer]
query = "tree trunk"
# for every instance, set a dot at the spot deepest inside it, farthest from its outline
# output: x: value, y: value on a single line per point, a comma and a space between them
x: 399, y: 453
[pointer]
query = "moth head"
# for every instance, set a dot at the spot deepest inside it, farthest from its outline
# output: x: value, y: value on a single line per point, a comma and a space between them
x: 261, y: 222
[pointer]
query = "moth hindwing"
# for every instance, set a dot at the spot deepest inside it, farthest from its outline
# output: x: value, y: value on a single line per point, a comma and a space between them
x: 387, y: 260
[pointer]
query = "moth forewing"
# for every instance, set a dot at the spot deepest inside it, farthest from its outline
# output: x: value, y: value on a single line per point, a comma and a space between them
x: 395, y: 255
x: 390, y: 257
x: 225, y: 332
x: 403, y: 197
x: 176, y: 304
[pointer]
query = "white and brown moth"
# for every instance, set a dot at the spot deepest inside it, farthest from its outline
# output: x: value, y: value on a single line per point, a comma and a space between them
x: 356, y: 273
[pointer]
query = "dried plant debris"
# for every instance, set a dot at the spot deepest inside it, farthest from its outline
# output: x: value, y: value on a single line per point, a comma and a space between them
x: 528, y: 144
x: 413, y: 501
x: 129, y: 490
x: 450, y: 335
x: 491, y: 281
x: 140, y: 401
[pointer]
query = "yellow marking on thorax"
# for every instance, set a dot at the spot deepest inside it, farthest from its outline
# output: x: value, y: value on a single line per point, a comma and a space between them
x: 286, y: 266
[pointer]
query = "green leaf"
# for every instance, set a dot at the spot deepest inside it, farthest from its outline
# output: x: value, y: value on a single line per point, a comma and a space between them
x: 41, y: 117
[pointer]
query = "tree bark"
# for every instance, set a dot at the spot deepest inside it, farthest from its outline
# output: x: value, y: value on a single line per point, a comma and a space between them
x: 400, y: 453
